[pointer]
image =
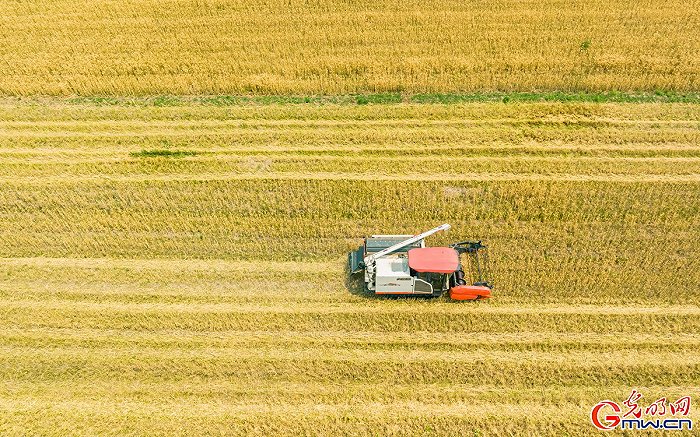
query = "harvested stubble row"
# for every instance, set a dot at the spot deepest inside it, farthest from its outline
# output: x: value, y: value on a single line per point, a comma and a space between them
x: 169, y: 269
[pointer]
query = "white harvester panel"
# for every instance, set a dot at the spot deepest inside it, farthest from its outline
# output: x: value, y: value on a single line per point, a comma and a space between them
x: 393, y: 275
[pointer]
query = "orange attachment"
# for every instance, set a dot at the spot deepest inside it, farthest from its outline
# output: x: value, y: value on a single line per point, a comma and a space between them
x: 469, y: 292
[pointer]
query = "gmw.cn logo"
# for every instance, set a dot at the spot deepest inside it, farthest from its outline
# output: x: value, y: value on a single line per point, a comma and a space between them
x: 660, y: 414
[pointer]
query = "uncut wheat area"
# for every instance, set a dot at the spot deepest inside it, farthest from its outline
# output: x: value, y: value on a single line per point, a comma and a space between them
x: 180, y: 270
x: 151, y: 47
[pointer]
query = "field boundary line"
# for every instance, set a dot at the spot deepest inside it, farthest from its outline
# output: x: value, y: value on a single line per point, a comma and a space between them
x: 361, y: 99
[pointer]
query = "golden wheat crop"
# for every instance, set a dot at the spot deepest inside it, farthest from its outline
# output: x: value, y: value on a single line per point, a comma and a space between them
x: 179, y: 270
x: 66, y: 47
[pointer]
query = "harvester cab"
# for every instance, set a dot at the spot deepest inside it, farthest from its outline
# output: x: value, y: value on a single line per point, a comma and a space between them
x: 403, y: 265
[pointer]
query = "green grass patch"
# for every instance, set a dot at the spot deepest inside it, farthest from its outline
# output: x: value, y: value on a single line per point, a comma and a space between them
x: 603, y: 97
x: 662, y: 96
x: 163, y: 153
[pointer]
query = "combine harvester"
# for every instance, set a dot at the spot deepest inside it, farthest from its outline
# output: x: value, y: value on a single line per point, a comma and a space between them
x: 402, y: 265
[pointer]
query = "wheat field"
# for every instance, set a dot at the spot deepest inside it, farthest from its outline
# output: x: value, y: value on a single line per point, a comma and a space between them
x: 180, y: 269
x: 181, y: 181
x: 151, y: 47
